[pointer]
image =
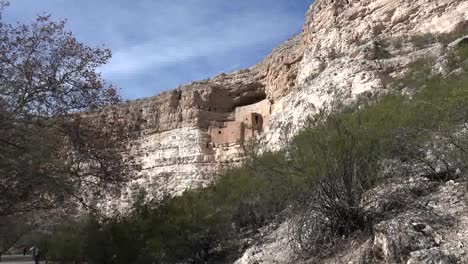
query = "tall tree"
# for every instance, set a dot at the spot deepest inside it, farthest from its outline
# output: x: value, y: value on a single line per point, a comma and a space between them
x: 50, y: 151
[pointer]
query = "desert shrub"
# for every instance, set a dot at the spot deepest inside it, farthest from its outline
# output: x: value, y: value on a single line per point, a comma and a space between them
x: 342, y: 152
x: 420, y: 41
x: 87, y: 240
x: 458, y: 58
x: 340, y: 155
x: 200, y: 225
x: 186, y: 228
x: 65, y: 244
x: 116, y: 242
x: 320, y: 177
x: 381, y: 50
x: 97, y: 243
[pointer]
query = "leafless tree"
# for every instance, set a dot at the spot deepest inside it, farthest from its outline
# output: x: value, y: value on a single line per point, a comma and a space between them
x: 50, y: 151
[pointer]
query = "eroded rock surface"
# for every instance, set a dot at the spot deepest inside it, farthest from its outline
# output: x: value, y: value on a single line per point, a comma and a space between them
x: 418, y: 221
x: 350, y: 48
x: 347, y: 49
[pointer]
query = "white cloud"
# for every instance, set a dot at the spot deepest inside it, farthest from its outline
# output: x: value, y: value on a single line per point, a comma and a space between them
x: 157, y: 52
x: 193, y: 32
x: 155, y: 42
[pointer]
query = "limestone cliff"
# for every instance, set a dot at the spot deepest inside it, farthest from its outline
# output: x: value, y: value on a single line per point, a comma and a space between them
x: 347, y: 48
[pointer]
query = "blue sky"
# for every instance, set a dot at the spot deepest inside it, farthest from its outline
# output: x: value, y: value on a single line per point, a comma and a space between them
x: 160, y: 44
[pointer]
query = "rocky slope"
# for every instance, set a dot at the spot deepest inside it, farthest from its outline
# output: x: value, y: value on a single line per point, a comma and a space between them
x: 423, y: 222
x: 347, y: 49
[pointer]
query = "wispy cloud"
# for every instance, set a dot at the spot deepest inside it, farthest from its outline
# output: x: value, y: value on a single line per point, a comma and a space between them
x: 200, y: 41
x: 166, y: 42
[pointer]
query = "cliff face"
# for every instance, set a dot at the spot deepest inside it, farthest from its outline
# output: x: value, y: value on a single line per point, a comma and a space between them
x: 348, y: 48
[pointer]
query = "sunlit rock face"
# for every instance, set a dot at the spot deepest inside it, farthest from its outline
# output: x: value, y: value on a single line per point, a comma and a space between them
x: 347, y: 49
x: 351, y: 48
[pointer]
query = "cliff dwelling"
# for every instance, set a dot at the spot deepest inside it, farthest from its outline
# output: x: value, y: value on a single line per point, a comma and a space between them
x: 249, y: 121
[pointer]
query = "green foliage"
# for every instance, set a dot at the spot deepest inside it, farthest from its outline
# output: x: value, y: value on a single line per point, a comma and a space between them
x: 421, y: 41
x: 187, y: 226
x: 86, y: 240
x: 458, y: 59
x: 65, y: 245
x: 200, y: 225
x: 342, y: 153
x: 320, y: 177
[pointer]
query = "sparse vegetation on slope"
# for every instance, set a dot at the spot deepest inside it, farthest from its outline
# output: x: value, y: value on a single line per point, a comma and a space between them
x: 318, y: 180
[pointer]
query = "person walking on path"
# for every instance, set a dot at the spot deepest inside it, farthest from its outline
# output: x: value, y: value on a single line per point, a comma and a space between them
x: 35, y: 253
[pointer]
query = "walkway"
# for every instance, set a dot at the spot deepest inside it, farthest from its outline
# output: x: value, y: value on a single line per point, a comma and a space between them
x: 17, y: 259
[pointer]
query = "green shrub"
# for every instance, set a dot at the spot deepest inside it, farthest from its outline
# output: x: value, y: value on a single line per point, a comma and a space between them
x: 420, y: 41
x: 341, y: 153
x: 65, y: 244
x: 320, y: 177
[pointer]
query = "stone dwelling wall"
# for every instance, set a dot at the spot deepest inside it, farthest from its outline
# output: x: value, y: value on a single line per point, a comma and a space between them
x: 243, y: 113
x: 227, y: 132
x: 249, y: 120
x: 253, y: 124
